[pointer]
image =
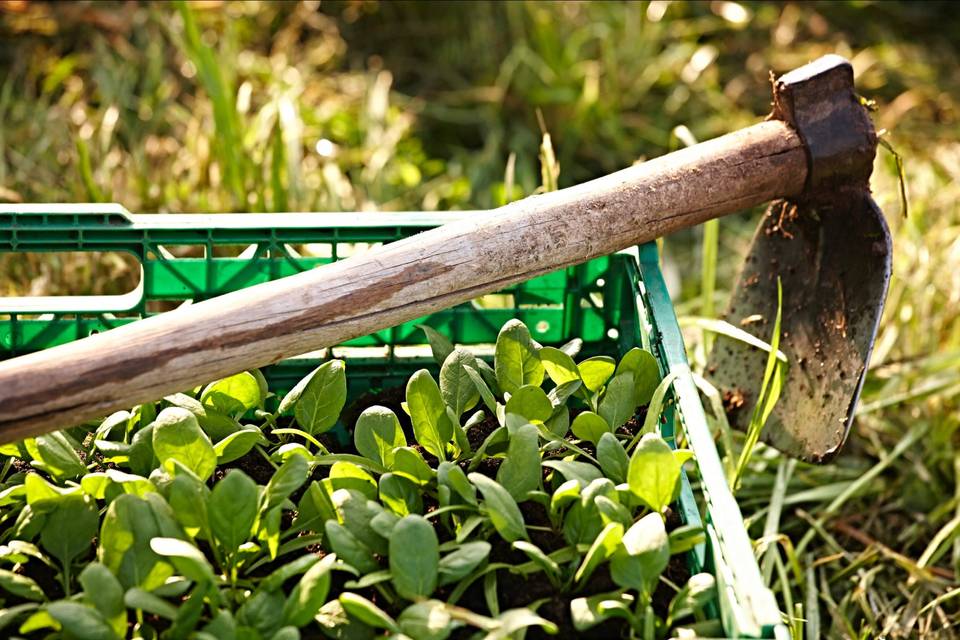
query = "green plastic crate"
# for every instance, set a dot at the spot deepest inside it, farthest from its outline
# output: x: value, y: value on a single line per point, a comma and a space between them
x: 613, y: 303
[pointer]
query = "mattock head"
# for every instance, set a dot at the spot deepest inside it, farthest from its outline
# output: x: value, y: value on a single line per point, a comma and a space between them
x: 831, y: 250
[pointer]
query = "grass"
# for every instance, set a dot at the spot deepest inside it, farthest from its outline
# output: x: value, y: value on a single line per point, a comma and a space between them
x: 255, y: 107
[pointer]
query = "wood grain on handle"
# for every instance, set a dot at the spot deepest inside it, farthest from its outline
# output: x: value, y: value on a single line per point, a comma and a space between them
x: 181, y: 349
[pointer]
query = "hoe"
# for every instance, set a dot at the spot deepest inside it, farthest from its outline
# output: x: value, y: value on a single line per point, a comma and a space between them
x: 822, y: 238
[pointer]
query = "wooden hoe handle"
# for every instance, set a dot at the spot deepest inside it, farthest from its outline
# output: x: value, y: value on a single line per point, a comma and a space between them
x: 818, y: 138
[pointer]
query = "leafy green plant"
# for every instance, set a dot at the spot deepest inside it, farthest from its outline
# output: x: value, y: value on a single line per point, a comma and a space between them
x: 192, y: 522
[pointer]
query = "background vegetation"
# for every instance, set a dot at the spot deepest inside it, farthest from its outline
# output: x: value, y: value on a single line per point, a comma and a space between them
x: 389, y: 106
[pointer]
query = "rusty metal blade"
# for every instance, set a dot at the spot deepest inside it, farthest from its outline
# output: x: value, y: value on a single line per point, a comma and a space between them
x: 834, y: 260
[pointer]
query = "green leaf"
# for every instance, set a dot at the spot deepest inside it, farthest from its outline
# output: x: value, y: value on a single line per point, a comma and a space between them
x: 348, y: 548
x: 102, y: 589
x: 414, y: 557
x: 288, y: 478
x: 619, y: 400
x: 531, y: 402
x: 501, y: 508
x: 591, y: 611
x: 602, y: 548
x: 564, y: 495
x: 488, y: 398
x: 188, y: 497
x: 428, y: 413
x: 458, y: 564
x: 21, y: 586
x: 346, y: 475
x: 654, y: 472
x: 643, y: 554
x: 589, y: 426
x: 559, y: 366
x: 452, y: 476
x: 81, y: 622
x: 516, y: 361
x: 215, y: 424
x: 128, y: 526
x: 367, y: 612
x: 456, y: 386
x: 646, y: 373
x: 319, y: 404
x: 147, y: 602
x: 238, y: 444
x: 545, y: 562
x: 189, y: 561
x: 400, y: 495
x: 596, y: 371
x: 612, y: 458
x: 440, y: 345
x: 70, y: 528
x: 520, y: 471
x: 427, y: 620
x: 177, y: 436
x: 377, y: 434
x: 308, y: 596
x: 54, y: 454
x: 575, y: 470
x: 408, y: 463
x: 234, y: 395
x: 509, y: 622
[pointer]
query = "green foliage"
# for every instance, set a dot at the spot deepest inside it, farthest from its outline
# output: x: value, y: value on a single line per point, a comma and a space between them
x: 171, y: 540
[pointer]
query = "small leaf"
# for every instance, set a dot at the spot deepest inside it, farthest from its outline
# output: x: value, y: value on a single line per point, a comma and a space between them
x: 596, y: 371
x: 575, y: 470
x: 319, y: 404
x: 516, y: 619
x: 520, y: 471
x: 619, y: 400
x: 20, y: 586
x: 238, y: 444
x: 348, y: 548
x: 602, y: 548
x: 288, y: 478
x: 530, y: 402
x: 308, y: 596
x: 457, y: 388
x: 54, y: 454
x: 654, y: 472
x: 612, y: 458
x: 102, y: 589
x: 400, y: 495
x: 488, y: 398
x: 643, y: 554
x: 70, y: 528
x: 377, y: 434
x: 501, y: 508
x: 427, y: 620
x: 408, y: 463
x: 646, y: 373
x: 440, y: 345
x: 428, y: 413
x: 559, y: 366
x: 451, y: 475
x: 189, y: 561
x: 367, y: 612
x: 458, y: 564
x: 128, y: 526
x: 545, y: 562
x: 233, y: 510
x: 414, y: 557
x: 516, y: 361
x: 177, y: 436
x: 589, y: 426
x: 81, y: 622
x: 234, y: 395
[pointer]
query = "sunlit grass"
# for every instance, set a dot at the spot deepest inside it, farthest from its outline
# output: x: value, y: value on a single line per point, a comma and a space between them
x: 363, y: 106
